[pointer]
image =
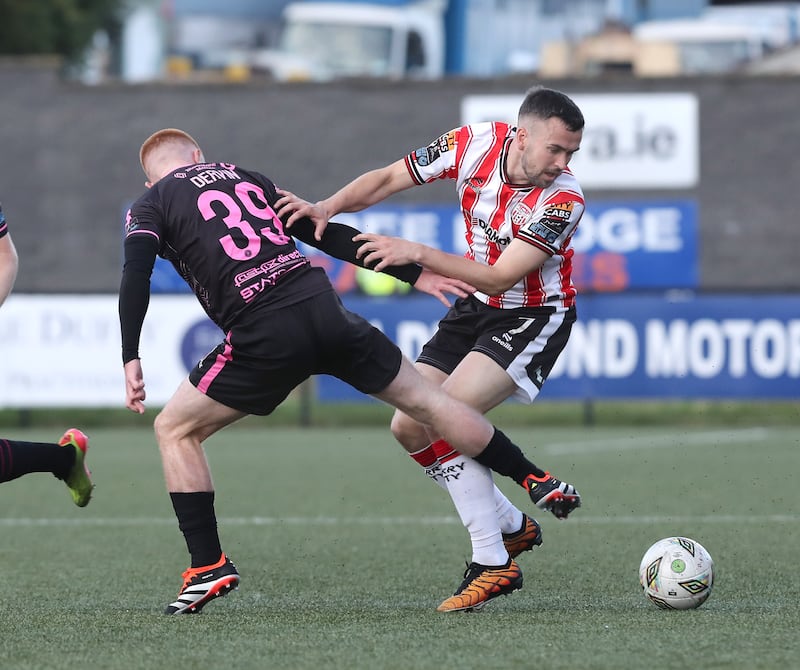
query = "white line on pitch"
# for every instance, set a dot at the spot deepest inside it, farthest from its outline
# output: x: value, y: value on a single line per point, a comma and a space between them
x: 390, y: 521
x: 712, y: 437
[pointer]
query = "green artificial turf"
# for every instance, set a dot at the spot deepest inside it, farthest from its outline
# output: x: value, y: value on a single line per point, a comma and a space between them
x: 345, y: 550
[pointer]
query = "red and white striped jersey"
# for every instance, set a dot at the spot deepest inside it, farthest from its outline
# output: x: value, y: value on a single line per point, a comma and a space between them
x: 495, y: 211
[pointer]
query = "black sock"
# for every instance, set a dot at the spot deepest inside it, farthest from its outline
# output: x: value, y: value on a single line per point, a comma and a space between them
x: 506, y: 458
x: 198, y: 523
x: 20, y: 458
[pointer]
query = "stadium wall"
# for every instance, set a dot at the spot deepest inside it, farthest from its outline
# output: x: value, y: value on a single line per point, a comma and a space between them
x: 70, y: 166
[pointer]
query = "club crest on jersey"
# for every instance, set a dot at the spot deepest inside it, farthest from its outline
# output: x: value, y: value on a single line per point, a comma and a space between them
x: 520, y: 214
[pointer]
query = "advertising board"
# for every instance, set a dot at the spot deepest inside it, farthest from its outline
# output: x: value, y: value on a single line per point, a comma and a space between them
x: 64, y: 351
x: 630, y: 141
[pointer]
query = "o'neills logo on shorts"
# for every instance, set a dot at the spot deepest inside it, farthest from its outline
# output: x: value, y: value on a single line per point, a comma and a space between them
x: 503, y: 344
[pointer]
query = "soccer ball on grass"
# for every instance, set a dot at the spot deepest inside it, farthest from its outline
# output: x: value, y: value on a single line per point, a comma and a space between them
x: 677, y: 573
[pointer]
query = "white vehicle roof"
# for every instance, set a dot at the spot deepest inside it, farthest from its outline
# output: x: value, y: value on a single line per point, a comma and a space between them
x: 680, y: 30
x: 360, y: 13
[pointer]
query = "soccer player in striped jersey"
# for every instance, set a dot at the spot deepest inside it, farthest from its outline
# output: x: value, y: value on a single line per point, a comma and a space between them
x: 521, y: 205
x: 64, y: 459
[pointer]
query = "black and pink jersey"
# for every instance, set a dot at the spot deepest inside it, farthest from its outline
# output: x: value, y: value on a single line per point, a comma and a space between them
x: 3, y: 224
x: 495, y: 211
x: 215, y: 223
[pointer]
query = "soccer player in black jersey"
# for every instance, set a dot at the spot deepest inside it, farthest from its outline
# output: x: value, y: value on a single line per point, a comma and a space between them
x: 64, y: 459
x: 283, y: 322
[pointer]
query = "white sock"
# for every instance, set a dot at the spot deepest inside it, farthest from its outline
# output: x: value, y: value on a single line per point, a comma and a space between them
x: 508, y: 516
x: 435, y: 473
x: 472, y: 489
x: 427, y: 459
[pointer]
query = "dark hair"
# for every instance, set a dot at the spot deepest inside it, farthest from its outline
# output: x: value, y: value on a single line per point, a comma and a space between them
x: 545, y: 103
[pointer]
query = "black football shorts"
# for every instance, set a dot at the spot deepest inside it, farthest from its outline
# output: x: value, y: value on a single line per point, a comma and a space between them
x: 270, y: 353
x: 525, y: 341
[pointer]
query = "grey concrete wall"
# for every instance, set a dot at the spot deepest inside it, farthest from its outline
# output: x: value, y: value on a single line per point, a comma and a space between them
x: 70, y: 165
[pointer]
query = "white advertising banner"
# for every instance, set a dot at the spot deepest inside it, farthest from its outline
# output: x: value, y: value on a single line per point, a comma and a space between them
x: 64, y: 351
x: 631, y: 140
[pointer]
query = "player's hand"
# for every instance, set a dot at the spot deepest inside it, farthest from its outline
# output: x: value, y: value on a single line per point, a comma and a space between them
x: 290, y: 207
x: 381, y: 251
x: 437, y: 285
x: 134, y: 386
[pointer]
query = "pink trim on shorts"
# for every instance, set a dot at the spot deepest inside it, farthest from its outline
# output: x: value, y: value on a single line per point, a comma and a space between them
x: 211, y: 375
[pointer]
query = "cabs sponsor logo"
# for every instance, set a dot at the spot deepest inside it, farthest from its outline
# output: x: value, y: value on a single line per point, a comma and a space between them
x: 560, y: 210
x: 447, y: 142
x: 556, y: 216
x: 428, y: 155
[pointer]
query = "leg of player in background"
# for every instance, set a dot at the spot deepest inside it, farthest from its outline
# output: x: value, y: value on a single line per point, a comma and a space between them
x: 471, y: 434
x: 187, y: 420
x: 482, y: 507
x: 64, y: 459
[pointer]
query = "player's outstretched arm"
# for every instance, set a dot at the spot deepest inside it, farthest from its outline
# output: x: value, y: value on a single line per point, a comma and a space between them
x: 517, y: 260
x: 338, y: 242
x: 368, y: 189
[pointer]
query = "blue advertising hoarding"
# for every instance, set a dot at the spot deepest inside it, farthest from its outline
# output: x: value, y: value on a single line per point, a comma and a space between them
x: 618, y: 245
x: 636, y: 245
x: 648, y: 345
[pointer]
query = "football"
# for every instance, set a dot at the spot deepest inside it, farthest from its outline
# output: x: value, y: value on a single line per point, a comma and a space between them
x: 677, y: 573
